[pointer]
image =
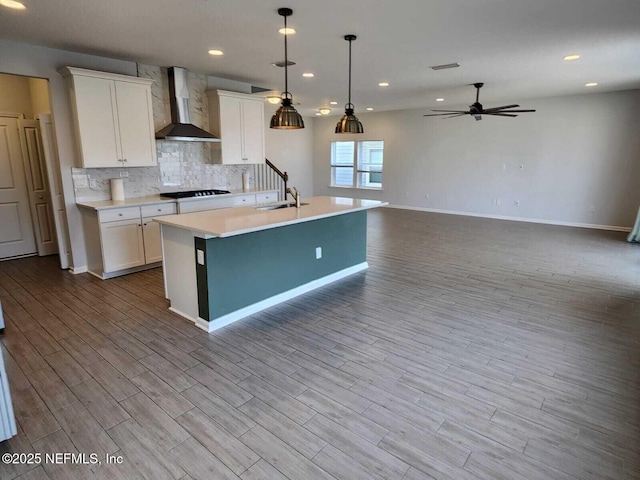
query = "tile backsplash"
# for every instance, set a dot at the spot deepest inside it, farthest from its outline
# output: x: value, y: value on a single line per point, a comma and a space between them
x: 181, y: 165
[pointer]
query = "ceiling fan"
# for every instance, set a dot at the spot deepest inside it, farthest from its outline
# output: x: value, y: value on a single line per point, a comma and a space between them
x: 477, y: 110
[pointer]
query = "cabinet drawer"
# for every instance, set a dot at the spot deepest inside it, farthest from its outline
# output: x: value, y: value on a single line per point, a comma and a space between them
x: 116, y: 214
x: 240, y: 200
x: 205, y: 204
x: 159, y: 209
x: 266, y: 197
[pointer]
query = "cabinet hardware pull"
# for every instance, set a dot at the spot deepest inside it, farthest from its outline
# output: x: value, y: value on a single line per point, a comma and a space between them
x: 145, y: 224
x: 124, y: 159
x: 119, y: 214
x: 159, y: 209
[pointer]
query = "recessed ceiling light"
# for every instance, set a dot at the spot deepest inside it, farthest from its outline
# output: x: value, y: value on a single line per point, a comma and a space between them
x: 439, y: 99
x: 287, y: 31
x: 215, y: 53
x: 333, y: 103
x: 383, y: 84
x: 274, y: 97
x: 308, y: 75
x: 318, y: 114
x: 591, y: 84
x: 570, y: 58
x: 369, y: 109
x: 13, y: 4
x: 325, y: 111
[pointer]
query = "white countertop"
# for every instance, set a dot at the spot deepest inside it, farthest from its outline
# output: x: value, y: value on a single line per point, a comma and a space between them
x: 153, y: 199
x: 228, y: 222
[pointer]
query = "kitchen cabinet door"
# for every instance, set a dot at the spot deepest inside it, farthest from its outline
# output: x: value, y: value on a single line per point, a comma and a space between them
x: 253, y: 131
x: 238, y: 119
x: 231, y: 129
x: 113, y: 118
x: 152, y: 240
x: 135, y: 121
x: 122, y: 245
x: 96, y: 122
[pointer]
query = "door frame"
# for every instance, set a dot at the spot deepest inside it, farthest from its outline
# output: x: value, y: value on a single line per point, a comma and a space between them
x: 64, y: 258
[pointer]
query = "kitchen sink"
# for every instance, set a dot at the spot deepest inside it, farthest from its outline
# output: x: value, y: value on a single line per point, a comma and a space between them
x: 279, y: 206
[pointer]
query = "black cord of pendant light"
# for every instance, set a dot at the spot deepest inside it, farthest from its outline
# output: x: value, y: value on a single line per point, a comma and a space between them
x: 350, y: 40
x: 286, y: 59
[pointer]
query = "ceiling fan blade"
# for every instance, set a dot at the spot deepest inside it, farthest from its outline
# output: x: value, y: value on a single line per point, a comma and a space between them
x: 456, y: 115
x: 439, y: 114
x: 495, y: 109
x: 452, y: 111
x: 500, y: 114
x: 516, y: 111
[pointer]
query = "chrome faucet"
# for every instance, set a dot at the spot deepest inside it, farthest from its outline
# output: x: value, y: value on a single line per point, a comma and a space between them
x: 293, y: 191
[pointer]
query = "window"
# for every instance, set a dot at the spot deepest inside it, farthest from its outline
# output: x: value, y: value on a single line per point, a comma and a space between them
x: 357, y: 164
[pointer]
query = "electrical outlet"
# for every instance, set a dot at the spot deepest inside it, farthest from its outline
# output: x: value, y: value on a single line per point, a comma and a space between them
x: 93, y: 183
x: 124, y: 174
x: 318, y: 253
x: 200, y: 254
x: 516, y: 203
x: 521, y: 166
x: 496, y: 201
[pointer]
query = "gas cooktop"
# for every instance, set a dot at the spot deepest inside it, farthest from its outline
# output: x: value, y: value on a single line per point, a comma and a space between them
x: 194, y: 193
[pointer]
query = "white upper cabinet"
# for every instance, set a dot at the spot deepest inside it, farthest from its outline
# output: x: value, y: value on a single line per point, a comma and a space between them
x: 238, y: 119
x: 113, y: 117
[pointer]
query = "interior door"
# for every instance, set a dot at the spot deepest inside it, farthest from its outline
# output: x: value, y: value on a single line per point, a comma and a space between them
x: 16, y: 230
x: 50, y: 151
x: 38, y: 189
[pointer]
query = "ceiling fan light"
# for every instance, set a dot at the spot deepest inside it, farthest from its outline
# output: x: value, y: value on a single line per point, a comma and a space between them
x: 286, y: 117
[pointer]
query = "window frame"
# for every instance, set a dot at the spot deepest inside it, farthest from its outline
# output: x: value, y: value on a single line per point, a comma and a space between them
x: 356, y: 165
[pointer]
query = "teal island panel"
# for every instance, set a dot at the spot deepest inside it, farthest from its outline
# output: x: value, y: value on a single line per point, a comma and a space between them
x: 245, y: 269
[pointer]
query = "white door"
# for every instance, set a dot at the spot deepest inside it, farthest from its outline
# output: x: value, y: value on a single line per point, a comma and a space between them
x: 152, y: 240
x: 16, y: 230
x: 135, y: 120
x: 253, y: 131
x: 122, y: 245
x: 231, y: 129
x: 50, y: 152
x: 38, y: 189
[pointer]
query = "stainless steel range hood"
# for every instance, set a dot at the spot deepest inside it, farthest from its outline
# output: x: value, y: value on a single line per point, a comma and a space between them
x: 181, y: 129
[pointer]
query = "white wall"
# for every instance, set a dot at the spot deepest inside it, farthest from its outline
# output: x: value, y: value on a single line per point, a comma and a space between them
x: 15, y: 96
x: 34, y: 61
x: 576, y: 152
x: 292, y: 151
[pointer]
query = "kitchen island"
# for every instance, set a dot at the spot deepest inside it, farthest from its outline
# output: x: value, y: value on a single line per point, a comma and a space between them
x: 223, y: 265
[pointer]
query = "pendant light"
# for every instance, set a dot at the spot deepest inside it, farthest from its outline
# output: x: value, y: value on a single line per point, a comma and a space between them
x: 286, y: 117
x: 349, y: 123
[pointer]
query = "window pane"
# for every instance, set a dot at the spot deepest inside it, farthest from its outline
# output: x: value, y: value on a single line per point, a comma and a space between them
x: 370, y: 160
x: 342, y: 153
x: 342, y: 176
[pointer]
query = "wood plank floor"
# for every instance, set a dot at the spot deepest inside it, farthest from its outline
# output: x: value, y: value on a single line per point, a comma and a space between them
x: 470, y: 349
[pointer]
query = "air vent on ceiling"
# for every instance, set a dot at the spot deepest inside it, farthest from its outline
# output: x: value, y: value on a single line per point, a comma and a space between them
x: 444, y: 67
x: 281, y: 63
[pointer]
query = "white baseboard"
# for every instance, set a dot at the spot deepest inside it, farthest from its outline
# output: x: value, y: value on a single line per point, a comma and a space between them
x: 514, y: 219
x: 78, y: 270
x: 183, y: 315
x: 276, y: 299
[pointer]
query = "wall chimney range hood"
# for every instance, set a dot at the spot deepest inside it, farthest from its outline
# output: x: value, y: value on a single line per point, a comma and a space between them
x: 181, y: 129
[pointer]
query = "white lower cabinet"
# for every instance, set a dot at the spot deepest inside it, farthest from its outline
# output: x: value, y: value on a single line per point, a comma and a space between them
x: 122, y: 245
x: 122, y: 240
x: 152, y: 240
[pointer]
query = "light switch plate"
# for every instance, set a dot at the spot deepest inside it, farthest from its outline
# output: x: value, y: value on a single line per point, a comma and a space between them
x: 318, y: 253
x: 200, y: 255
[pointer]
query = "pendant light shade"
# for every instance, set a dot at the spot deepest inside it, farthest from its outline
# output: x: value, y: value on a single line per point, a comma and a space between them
x: 349, y: 123
x: 286, y: 117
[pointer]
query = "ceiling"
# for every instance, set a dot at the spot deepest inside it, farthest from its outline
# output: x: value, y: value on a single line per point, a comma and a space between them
x: 515, y: 46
